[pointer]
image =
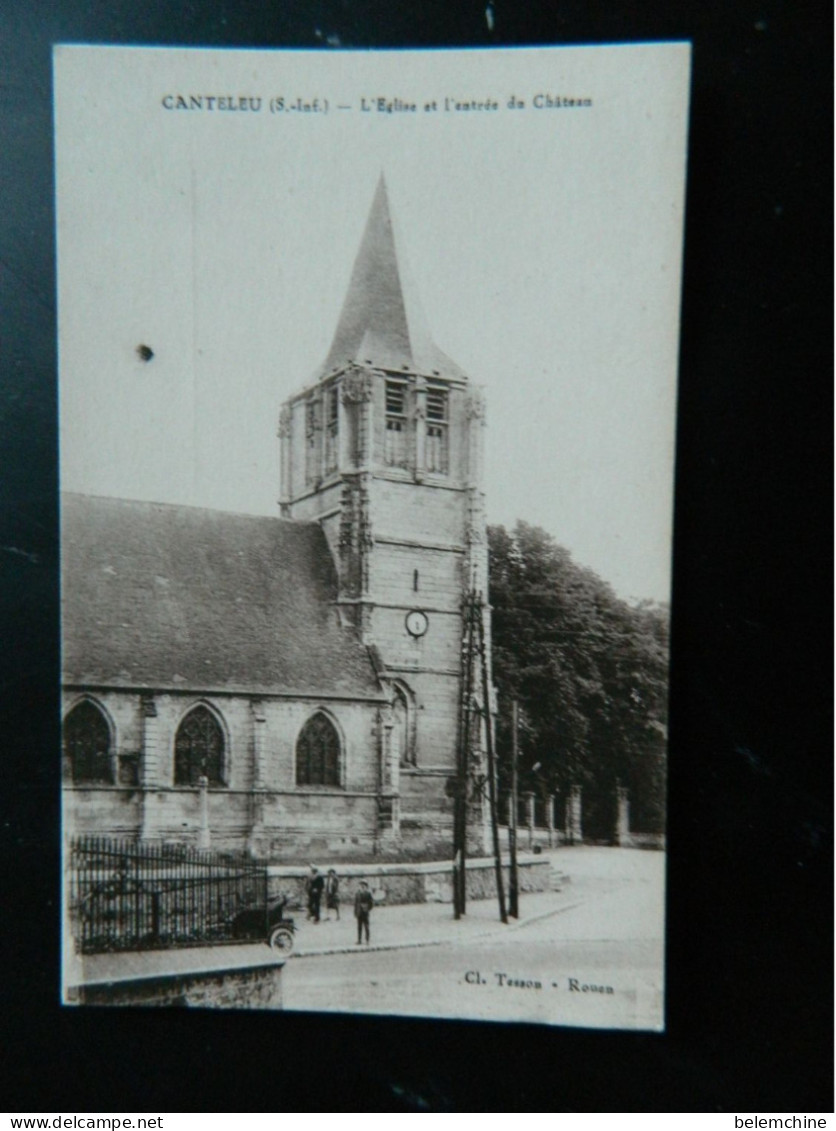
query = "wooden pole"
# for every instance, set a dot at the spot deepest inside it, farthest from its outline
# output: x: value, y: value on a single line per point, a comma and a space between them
x: 513, y: 883
x: 500, y: 887
x: 457, y: 814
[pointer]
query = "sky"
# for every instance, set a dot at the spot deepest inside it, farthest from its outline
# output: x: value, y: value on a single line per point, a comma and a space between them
x: 545, y: 245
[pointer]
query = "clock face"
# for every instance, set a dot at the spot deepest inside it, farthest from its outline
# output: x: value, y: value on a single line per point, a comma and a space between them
x: 416, y: 623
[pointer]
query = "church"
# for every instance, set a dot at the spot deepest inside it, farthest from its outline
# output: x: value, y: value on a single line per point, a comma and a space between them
x: 292, y: 684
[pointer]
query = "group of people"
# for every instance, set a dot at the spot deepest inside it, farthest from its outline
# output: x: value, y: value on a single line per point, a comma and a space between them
x: 317, y: 886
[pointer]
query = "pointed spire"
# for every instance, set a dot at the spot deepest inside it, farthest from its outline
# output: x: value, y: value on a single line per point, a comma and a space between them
x: 382, y: 323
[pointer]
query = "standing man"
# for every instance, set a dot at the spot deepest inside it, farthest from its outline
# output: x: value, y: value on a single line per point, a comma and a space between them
x: 315, y: 886
x: 332, y: 893
x: 363, y: 903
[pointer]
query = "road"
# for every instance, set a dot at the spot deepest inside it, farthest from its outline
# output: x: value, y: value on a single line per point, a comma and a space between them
x: 609, y: 939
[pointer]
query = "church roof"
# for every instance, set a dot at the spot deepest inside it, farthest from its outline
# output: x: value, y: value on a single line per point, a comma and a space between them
x: 159, y: 596
x: 382, y: 323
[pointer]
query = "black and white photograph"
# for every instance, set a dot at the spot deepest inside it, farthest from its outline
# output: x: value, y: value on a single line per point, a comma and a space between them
x: 186, y: 192
x: 367, y: 378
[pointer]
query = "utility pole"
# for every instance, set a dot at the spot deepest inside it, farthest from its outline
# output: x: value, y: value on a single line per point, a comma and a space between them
x: 513, y: 882
x: 461, y: 785
x: 486, y: 705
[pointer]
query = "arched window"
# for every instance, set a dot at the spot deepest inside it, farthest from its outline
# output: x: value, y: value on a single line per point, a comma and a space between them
x: 87, y: 745
x: 402, y: 730
x: 199, y: 749
x: 318, y: 752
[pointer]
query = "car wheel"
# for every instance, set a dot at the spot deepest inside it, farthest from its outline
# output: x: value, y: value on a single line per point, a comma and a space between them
x: 281, y: 939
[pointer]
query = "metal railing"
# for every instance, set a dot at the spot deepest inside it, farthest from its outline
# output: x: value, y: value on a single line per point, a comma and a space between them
x: 129, y: 896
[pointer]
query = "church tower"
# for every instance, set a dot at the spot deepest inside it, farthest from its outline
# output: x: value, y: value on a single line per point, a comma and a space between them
x: 385, y: 450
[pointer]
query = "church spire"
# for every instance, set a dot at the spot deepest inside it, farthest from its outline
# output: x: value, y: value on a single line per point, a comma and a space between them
x: 382, y: 323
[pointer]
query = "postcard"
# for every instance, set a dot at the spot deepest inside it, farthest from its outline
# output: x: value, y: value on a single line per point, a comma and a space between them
x: 367, y: 368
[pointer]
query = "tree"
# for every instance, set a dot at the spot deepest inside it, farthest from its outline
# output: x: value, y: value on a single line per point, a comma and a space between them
x: 589, y: 671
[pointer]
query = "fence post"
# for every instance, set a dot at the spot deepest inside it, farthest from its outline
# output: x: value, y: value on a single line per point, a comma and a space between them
x: 203, y: 834
x: 549, y: 801
x: 529, y: 817
x: 622, y: 829
x: 574, y: 816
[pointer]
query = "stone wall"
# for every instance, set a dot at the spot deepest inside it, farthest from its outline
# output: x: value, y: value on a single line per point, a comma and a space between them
x: 411, y: 883
x: 296, y: 824
x: 256, y: 986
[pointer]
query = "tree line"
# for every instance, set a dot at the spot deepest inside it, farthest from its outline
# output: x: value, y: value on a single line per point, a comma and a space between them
x: 590, y: 673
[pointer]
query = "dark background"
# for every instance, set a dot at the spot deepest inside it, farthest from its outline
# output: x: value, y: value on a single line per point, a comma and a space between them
x: 750, y: 907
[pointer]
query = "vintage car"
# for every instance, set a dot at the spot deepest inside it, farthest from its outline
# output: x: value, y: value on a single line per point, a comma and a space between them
x: 268, y: 922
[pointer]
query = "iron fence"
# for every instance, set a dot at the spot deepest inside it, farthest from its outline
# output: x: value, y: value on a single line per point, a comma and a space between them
x: 129, y: 896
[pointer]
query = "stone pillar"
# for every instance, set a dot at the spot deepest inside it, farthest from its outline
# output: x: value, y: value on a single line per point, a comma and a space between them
x: 387, y: 729
x: 388, y: 798
x: 365, y: 534
x: 622, y: 828
x: 396, y: 817
x: 357, y: 391
x: 394, y: 768
x: 259, y: 752
x: 550, y: 800
x: 420, y: 429
x: 574, y: 816
x: 203, y: 837
x: 149, y: 768
x: 259, y: 775
x: 367, y: 432
x: 345, y: 456
x: 529, y: 816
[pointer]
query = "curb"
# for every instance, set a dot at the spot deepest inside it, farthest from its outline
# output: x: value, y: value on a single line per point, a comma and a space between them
x: 360, y: 949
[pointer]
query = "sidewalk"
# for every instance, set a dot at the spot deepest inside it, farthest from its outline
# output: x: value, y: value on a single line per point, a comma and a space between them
x: 424, y: 924
x: 587, y: 874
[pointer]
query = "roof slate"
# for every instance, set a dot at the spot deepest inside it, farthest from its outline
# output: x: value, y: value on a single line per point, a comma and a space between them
x: 160, y: 596
x: 382, y: 322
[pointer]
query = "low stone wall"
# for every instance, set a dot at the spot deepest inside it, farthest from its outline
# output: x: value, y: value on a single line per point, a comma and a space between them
x: 647, y: 840
x: 539, y: 838
x: 411, y: 883
x: 529, y: 837
x: 220, y: 979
